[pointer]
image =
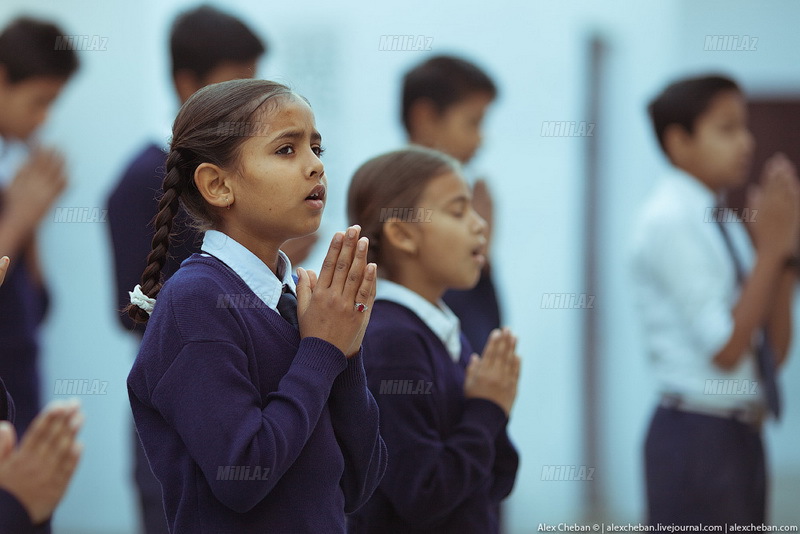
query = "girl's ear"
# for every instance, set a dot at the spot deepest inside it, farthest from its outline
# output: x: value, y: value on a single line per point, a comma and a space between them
x: 214, y: 185
x: 401, y: 236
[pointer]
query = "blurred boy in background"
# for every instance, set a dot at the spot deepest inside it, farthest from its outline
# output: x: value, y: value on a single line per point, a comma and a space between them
x: 443, y: 105
x: 717, y: 313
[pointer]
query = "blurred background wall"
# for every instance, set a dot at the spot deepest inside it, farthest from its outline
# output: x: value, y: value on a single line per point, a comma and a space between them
x: 538, y: 53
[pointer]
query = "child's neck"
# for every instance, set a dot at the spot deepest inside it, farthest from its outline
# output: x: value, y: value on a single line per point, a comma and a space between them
x: 420, y: 285
x: 266, y: 251
x: 716, y: 189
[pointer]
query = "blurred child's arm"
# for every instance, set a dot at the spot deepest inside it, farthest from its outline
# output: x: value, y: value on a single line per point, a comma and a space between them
x: 780, y: 321
x: 28, y: 198
x: 355, y: 417
x: 776, y: 233
x: 677, y: 265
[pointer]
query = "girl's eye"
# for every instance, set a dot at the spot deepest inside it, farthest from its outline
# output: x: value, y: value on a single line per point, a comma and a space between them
x: 286, y: 150
x: 318, y: 150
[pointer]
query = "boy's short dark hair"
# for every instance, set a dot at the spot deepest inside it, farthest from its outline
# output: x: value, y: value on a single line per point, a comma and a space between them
x: 205, y: 37
x: 444, y: 80
x: 682, y: 102
x: 28, y: 50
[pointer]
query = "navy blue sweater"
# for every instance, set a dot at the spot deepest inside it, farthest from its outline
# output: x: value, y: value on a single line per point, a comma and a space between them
x: 477, y: 309
x: 14, y: 518
x: 450, y: 459
x: 247, y: 427
x: 132, y: 206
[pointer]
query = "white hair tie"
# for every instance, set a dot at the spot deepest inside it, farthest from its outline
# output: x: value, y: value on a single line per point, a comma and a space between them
x: 140, y: 299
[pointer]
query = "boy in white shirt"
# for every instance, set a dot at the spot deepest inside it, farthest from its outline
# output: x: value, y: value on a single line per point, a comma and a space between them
x: 716, y: 313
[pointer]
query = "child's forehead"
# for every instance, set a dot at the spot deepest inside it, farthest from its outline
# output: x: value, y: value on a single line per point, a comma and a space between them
x: 446, y: 187
x: 283, y: 112
x: 725, y: 103
x: 477, y: 101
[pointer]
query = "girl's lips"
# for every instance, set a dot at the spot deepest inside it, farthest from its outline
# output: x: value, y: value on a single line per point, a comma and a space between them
x: 317, y: 193
x: 480, y: 259
x: 315, y: 204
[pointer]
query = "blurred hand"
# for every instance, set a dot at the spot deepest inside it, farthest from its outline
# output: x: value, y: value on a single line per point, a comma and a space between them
x: 4, y: 261
x: 38, y: 472
x: 35, y: 188
x: 326, y: 305
x: 299, y: 248
x: 494, y: 376
x: 776, y: 229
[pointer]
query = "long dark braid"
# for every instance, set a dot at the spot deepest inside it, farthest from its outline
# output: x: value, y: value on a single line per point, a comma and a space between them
x: 209, y: 128
x: 168, y: 206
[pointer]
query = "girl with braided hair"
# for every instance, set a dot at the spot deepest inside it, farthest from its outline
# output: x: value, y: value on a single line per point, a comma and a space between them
x: 249, y: 392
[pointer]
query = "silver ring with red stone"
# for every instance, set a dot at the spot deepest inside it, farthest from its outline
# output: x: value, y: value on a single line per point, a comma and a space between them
x: 361, y: 307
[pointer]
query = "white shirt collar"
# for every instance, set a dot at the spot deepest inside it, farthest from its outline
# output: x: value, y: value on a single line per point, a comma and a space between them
x: 254, y: 272
x: 440, y: 319
x: 692, y: 190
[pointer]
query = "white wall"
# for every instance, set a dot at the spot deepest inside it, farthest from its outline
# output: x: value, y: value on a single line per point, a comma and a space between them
x: 536, y: 52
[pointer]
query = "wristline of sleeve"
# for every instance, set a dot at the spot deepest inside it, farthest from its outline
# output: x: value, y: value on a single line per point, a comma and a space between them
x: 22, y: 522
x: 354, y: 375
x: 321, y: 356
x: 490, y: 415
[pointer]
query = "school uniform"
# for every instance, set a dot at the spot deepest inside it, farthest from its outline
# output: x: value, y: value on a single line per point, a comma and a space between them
x: 23, y: 306
x: 132, y: 206
x: 451, y: 462
x: 14, y: 519
x: 247, y: 427
x: 477, y: 309
x: 704, y: 457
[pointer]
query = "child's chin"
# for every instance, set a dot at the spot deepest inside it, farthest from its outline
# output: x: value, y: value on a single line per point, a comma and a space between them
x: 311, y: 227
x: 467, y: 282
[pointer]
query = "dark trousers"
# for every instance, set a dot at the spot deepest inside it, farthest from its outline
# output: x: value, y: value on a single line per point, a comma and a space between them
x: 704, y: 469
x: 151, y: 504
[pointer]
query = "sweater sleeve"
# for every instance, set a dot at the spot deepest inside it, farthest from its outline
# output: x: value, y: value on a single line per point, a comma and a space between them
x: 505, y: 467
x: 429, y: 474
x: 18, y: 521
x: 207, y: 395
x: 355, y: 417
